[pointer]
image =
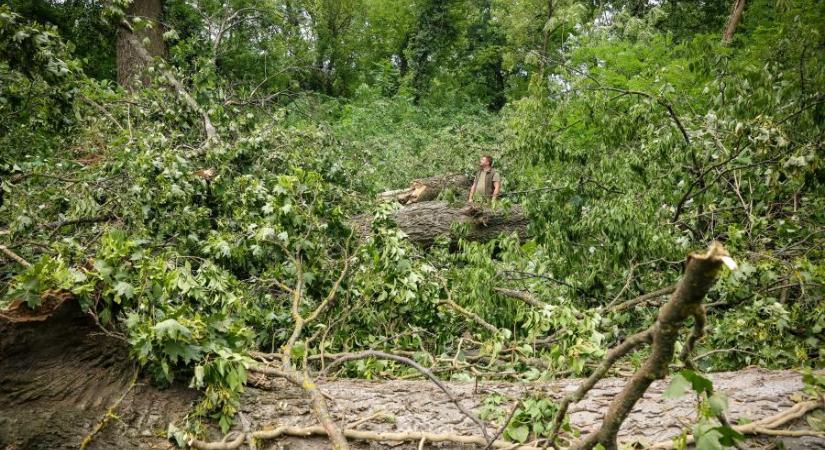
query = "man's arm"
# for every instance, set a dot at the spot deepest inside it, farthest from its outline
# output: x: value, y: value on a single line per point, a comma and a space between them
x: 496, y: 188
x: 472, y: 192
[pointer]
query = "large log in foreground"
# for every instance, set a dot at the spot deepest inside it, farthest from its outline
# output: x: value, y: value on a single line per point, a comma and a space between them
x: 426, y: 189
x: 426, y: 221
x: 62, y: 382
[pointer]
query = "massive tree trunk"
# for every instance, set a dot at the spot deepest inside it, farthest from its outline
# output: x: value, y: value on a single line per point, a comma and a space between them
x: 130, y: 64
x: 733, y: 20
x: 59, y: 375
x: 424, y: 222
x: 64, y: 383
x: 426, y: 189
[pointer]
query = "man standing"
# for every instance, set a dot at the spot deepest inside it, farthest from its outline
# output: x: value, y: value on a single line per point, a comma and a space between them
x: 487, y: 182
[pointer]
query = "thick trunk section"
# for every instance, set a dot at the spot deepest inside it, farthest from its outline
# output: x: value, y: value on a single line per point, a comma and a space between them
x: 130, y: 64
x: 59, y: 376
x: 426, y: 221
x: 426, y: 189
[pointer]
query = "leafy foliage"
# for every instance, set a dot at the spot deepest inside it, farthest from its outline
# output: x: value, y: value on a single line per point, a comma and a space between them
x: 629, y: 135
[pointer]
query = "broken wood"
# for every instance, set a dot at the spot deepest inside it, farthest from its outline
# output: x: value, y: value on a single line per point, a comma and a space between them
x: 426, y: 189
x: 701, y: 272
x: 426, y: 221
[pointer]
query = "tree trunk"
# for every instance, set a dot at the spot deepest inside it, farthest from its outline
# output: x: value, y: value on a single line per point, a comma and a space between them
x: 59, y: 375
x: 733, y: 20
x: 424, y: 222
x: 130, y: 65
x: 426, y: 189
x: 63, y: 383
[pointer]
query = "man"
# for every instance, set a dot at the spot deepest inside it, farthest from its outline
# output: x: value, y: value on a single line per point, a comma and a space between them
x: 487, y: 182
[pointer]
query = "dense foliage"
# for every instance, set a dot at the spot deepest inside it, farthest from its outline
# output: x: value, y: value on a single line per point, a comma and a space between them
x: 627, y: 130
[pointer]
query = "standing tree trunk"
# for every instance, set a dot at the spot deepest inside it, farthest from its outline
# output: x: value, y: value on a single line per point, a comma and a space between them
x: 130, y: 65
x: 733, y: 20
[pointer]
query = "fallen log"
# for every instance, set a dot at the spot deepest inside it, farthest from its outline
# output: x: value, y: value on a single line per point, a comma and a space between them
x: 60, y: 378
x: 426, y: 221
x: 63, y: 380
x: 426, y: 189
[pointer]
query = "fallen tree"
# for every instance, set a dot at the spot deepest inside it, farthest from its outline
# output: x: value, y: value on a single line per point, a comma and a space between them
x: 64, y: 382
x: 67, y: 382
x: 426, y: 189
x: 424, y: 222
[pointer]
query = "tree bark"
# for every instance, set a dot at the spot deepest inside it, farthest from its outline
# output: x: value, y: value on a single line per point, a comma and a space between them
x: 60, y: 377
x: 131, y: 66
x: 733, y: 20
x: 424, y: 222
x: 701, y: 272
x: 426, y: 189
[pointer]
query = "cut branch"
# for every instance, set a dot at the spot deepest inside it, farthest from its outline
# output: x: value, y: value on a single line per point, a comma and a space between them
x: 426, y: 189
x: 701, y: 272
x: 14, y: 256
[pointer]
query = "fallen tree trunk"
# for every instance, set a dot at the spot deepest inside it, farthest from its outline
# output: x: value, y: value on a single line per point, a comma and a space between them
x: 424, y: 222
x: 64, y: 382
x: 426, y: 189
x: 61, y: 378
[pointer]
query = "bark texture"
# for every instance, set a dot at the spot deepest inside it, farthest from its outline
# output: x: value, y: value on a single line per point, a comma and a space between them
x: 59, y: 376
x: 424, y: 222
x: 701, y: 272
x: 131, y: 64
x: 426, y: 189
x: 733, y: 21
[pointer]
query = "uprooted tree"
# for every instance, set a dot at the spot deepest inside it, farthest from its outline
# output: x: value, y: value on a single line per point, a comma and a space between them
x: 198, y: 231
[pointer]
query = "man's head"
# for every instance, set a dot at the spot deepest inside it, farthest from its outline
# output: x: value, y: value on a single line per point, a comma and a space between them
x: 485, y: 162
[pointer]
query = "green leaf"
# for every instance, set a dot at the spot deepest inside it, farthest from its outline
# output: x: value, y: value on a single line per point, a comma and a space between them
x: 709, y: 441
x: 124, y: 289
x: 677, y: 387
x: 718, y: 403
x: 171, y: 328
x: 519, y: 433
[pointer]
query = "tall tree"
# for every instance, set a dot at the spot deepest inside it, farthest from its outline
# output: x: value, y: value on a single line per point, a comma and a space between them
x: 145, y: 15
x: 733, y: 20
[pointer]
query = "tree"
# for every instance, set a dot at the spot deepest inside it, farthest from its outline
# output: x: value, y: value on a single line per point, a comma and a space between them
x: 145, y: 14
x: 733, y: 20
